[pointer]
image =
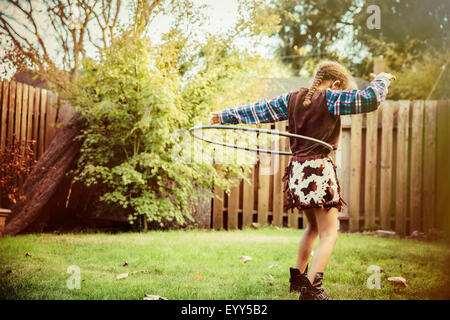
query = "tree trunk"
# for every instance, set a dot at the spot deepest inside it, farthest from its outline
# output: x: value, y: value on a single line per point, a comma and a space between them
x: 201, y: 211
x: 46, y: 177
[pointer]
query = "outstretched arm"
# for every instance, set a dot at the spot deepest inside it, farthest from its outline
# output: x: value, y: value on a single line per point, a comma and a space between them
x: 359, y: 101
x: 263, y: 111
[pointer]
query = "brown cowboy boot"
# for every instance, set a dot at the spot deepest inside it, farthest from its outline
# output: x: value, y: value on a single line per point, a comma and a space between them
x: 295, y: 280
x: 313, y: 291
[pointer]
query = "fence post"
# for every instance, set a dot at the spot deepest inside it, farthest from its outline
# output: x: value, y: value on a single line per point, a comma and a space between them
x: 355, y: 172
x: 401, y: 187
x: 416, y: 166
x: 218, y: 208
x: 370, y: 185
x: 387, y: 137
x: 429, y: 169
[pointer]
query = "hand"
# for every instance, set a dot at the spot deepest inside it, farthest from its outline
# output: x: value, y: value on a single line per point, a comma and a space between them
x: 213, y: 118
x: 387, y: 75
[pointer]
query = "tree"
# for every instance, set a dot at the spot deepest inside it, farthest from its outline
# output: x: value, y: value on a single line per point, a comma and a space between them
x: 74, y: 26
x: 309, y: 27
x: 413, y: 40
x: 414, y: 25
x: 310, y: 30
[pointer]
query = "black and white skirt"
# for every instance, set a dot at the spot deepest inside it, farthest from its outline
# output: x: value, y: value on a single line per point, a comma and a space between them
x: 312, y: 183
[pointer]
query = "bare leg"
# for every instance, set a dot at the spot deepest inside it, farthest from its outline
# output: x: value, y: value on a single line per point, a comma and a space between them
x: 307, y: 241
x: 327, y: 226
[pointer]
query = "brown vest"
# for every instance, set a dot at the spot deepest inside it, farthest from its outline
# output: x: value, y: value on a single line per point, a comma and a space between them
x: 314, y: 121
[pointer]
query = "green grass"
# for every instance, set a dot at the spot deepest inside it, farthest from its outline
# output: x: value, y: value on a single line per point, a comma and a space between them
x: 205, y: 265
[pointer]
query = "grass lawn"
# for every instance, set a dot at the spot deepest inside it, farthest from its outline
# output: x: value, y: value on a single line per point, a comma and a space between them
x: 206, y: 265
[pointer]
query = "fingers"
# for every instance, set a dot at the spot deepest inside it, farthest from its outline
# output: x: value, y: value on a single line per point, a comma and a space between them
x: 387, y: 75
x: 213, y: 118
x: 393, y: 77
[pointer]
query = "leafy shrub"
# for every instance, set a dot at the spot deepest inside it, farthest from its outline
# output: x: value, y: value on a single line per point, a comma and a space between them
x: 134, y: 98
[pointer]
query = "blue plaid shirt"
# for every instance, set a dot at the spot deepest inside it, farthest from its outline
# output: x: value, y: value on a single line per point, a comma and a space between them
x: 338, y: 103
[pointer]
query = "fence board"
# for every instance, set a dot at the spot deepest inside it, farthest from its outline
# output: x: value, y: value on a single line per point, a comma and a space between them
x: 429, y: 168
x: 18, y: 114
x: 345, y: 169
x: 401, y: 188
x: 36, y: 112
x: 293, y: 218
x: 263, y: 184
x: 278, y: 184
x: 24, y: 115
x: 416, y: 166
x: 4, y: 114
x: 218, y: 208
x: 233, y: 207
x: 285, y: 163
x: 12, y: 108
x: 42, y: 124
x: 370, y: 186
x: 30, y: 105
x: 51, y: 118
x: 387, y: 136
x: 248, y: 201
x: 355, y: 172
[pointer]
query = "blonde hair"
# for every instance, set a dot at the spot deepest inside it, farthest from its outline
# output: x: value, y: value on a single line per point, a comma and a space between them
x: 329, y: 70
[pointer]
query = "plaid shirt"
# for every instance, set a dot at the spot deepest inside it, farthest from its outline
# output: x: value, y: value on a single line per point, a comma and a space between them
x: 338, y: 103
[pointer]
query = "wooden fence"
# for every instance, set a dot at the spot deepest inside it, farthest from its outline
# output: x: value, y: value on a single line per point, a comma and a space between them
x: 393, y: 164
x: 29, y: 113
x: 393, y: 169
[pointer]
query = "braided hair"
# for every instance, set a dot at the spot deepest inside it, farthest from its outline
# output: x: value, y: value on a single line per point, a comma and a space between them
x: 329, y: 70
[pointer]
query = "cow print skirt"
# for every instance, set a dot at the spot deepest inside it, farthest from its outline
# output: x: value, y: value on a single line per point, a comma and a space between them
x: 312, y: 183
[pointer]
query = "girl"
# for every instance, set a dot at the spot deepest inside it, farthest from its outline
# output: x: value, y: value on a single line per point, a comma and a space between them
x: 310, y: 179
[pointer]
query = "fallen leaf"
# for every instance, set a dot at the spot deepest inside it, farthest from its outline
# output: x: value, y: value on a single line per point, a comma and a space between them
x: 125, y: 264
x: 122, y: 276
x: 398, y: 280
x: 244, y: 259
x: 153, y: 297
x: 197, y: 276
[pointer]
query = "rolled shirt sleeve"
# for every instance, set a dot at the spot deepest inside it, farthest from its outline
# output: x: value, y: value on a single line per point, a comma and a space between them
x: 358, y: 101
x: 263, y: 111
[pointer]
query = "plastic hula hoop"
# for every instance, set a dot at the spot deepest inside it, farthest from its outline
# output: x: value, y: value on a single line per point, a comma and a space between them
x: 258, y: 130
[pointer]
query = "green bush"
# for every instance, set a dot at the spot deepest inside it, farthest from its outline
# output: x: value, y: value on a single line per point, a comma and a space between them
x: 132, y: 101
